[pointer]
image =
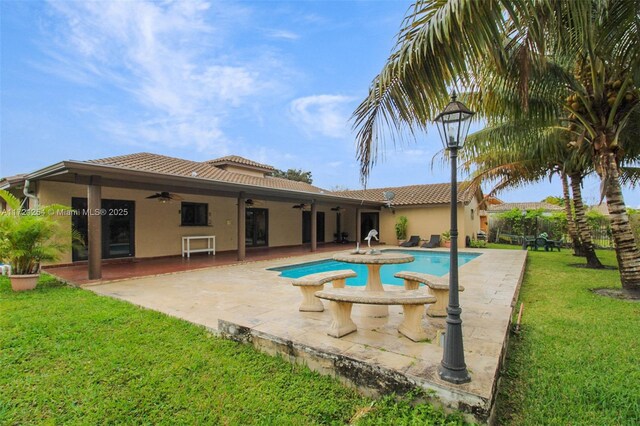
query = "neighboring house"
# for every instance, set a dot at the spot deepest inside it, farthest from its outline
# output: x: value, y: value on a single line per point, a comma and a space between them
x: 149, y: 202
x: 547, y: 208
x: 427, y: 208
x: 494, y: 210
x: 600, y: 208
x: 487, y: 203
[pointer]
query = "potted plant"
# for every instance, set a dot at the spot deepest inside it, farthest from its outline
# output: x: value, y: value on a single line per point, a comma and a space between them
x: 28, y: 238
x: 446, y: 239
x: 401, y: 229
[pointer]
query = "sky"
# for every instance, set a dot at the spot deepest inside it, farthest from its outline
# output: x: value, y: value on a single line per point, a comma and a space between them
x: 272, y: 81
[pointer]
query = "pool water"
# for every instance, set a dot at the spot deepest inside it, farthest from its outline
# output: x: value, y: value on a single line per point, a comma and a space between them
x: 429, y: 262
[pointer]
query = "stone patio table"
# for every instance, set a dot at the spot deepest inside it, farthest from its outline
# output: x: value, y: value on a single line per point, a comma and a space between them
x: 374, y: 262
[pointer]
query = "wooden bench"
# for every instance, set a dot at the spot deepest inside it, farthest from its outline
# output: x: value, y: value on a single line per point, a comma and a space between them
x: 309, y: 284
x: 342, y: 300
x: 437, y: 287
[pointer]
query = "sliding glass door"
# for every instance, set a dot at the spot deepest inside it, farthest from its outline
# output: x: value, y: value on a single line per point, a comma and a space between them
x: 118, y: 219
x: 257, y: 227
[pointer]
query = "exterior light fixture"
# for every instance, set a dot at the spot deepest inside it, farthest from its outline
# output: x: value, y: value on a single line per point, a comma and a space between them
x: 453, y: 126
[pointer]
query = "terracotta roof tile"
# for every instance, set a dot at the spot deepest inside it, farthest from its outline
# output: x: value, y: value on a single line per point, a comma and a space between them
x: 155, y: 163
x: 437, y: 193
x: 236, y: 159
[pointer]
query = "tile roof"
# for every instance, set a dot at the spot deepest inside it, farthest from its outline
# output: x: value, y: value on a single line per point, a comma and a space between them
x: 437, y: 193
x: 236, y: 159
x: 155, y: 163
x: 505, y: 207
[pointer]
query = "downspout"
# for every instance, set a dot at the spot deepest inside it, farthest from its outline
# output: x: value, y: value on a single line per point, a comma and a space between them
x: 26, y: 192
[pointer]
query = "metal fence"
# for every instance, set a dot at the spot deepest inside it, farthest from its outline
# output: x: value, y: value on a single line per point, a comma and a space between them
x: 506, y: 232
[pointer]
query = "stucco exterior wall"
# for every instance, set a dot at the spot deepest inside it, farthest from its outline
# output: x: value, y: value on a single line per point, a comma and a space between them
x: 157, y: 225
x: 421, y: 220
x: 158, y: 231
x: 427, y: 220
x: 471, y: 219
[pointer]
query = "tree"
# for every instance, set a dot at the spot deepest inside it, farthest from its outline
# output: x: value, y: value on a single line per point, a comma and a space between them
x: 294, y: 174
x: 551, y: 199
x: 515, y: 154
x: 583, y: 56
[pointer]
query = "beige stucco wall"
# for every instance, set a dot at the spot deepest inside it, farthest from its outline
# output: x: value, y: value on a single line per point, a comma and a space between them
x: 158, y: 231
x: 157, y: 225
x: 422, y: 220
x: 427, y: 220
x: 471, y: 220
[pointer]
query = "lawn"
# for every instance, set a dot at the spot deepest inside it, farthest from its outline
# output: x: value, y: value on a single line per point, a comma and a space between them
x: 576, y: 360
x: 68, y: 356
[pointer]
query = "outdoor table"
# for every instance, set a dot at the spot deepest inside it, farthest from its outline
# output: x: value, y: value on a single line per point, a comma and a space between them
x: 374, y: 262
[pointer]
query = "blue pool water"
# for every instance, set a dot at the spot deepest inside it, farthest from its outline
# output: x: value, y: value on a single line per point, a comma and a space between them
x: 429, y: 262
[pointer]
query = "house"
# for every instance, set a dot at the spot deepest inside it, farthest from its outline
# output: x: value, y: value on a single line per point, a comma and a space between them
x: 426, y: 207
x: 546, y: 208
x: 142, y: 205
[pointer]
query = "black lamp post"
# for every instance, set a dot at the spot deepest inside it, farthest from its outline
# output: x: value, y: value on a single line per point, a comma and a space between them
x: 453, y: 126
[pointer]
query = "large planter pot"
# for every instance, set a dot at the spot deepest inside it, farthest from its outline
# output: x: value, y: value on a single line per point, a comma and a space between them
x: 24, y: 282
x: 400, y: 242
x: 446, y: 244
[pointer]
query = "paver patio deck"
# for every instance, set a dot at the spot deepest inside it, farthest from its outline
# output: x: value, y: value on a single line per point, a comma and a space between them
x: 253, y: 304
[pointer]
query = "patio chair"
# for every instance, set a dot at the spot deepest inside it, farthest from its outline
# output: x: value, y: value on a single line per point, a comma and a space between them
x: 433, y: 242
x: 553, y: 244
x: 412, y: 242
x: 529, y: 242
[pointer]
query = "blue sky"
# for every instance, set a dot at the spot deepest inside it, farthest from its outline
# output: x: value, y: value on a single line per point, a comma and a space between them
x: 272, y: 81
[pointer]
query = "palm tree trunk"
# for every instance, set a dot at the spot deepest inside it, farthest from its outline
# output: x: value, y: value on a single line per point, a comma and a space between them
x: 571, y: 224
x: 626, y: 248
x: 581, y: 222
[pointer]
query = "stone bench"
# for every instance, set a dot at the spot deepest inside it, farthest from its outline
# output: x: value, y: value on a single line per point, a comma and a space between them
x: 309, y: 284
x: 437, y: 287
x: 342, y: 300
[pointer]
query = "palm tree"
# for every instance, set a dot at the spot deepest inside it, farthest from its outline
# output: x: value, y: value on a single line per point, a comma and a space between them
x: 520, y: 153
x: 504, y: 54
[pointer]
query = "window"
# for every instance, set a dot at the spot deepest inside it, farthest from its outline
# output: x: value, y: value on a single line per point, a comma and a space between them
x: 472, y: 216
x: 194, y: 214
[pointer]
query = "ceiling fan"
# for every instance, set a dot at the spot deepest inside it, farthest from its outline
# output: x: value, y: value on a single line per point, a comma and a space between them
x: 165, y: 197
x: 300, y: 206
x: 338, y: 209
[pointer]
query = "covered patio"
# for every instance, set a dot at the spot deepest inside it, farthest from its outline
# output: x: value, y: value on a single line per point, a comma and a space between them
x: 134, y: 210
x: 122, y: 269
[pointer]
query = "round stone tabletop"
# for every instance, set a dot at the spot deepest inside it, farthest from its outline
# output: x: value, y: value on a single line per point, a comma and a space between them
x: 379, y: 259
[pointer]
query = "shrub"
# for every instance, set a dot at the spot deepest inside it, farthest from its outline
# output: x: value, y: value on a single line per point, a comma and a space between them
x: 401, y: 228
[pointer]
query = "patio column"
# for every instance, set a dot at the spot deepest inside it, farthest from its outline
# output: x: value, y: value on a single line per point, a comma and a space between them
x: 314, y: 226
x: 94, y: 204
x: 242, y: 227
x: 358, y: 225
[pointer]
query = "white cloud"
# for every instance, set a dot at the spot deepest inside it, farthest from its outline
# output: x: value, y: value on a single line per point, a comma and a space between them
x: 178, y: 77
x: 283, y: 34
x: 326, y: 115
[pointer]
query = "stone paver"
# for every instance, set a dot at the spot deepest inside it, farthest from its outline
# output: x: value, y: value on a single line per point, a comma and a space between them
x: 250, y: 296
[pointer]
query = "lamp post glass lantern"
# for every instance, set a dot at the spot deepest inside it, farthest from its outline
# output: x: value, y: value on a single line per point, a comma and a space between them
x: 453, y: 126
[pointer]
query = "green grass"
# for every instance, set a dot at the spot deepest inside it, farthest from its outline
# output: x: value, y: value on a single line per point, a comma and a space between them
x: 68, y: 356
x: 577, y: 359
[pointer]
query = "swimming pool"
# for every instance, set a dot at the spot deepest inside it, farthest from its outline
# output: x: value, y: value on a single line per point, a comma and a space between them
x: 429, y: 262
